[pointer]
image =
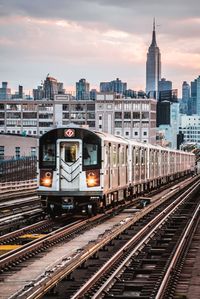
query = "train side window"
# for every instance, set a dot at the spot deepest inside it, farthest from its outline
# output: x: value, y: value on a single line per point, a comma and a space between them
x: 136, y: 155
x: 133, y: 156
x: 106, y: 151
x: 114, y: 155
x: 122, y: 156
x: 142, y: 156
x: 90, y: 154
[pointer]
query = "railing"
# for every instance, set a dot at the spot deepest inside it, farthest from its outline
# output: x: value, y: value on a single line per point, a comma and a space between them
x: 18, y: 169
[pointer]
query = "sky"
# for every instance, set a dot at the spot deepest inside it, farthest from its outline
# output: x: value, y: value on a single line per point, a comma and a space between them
x: 99, y: 40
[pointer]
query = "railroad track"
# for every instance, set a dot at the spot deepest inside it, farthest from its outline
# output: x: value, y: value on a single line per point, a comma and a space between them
x: 33, y: 237
x: 19, y: 212
x: 96, y: 255
x: 17, y: 205
x: 143, y: 267
x: 14, y: 256
x: 184, y: 280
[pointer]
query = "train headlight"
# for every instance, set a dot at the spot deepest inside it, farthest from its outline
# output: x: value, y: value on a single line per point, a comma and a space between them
x: 46, y: 178
x: 92, y: 178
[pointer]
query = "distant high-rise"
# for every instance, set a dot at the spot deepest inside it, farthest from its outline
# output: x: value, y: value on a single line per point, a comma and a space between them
x: 185, y: 98
x: 153, y: 66
x: 5, y: 92
x: 164, y: 85
x: 82, y: 90
x: 20, y: 91
x: 185, y: 91
x: 194, y: 101
x: 198, y: 95
x: 50, y: 87
x: 114, y: 86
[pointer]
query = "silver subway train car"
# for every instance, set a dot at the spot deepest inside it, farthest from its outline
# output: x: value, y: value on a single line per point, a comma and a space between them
x: 80, y: 170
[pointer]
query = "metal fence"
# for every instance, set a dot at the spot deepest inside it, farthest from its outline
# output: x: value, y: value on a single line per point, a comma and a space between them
x: 20, y: 169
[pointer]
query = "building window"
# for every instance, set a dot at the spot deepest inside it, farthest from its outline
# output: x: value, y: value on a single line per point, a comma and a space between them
x: 100, y: 126
x: 127, y: 115
x: 91, y: 123
x: 127, y: 133
x: 144, y: 133
x: 118, y: 124
x: 100, y: 117
x: 65, y: 107
x: 1, y: 152
x: 33, y: 151
x: 118, y: 115
x: 136, y: 133
x: 136, y: 115
x: 17, y: 152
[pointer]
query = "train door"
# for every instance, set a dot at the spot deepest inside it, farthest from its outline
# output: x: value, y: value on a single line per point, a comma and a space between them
x: 69, y: 165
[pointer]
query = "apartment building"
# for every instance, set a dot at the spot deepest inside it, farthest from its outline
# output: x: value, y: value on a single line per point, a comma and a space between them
x: 128, y: 117
x: 29, y: 117
x: 111, y: 112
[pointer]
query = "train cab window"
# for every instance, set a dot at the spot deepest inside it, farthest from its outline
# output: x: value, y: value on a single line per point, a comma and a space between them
x: 48, y: 158
x: 90, y: 154
x: 48, y: 152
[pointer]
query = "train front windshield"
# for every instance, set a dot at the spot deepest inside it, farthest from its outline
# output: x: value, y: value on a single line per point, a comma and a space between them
x: 90, y: 154
x: 49, y: 155
x: 82, y: 142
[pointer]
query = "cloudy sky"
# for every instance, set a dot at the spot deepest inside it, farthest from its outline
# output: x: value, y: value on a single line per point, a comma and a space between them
x: 99, y: 40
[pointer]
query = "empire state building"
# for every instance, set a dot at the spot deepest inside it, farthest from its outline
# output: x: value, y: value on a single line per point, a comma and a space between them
x: 153, y: 66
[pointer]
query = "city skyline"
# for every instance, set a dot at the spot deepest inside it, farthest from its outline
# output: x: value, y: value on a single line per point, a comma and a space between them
x: 98, y: 40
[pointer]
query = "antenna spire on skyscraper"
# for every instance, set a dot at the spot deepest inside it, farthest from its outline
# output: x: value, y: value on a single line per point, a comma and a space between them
x: 153, y: 43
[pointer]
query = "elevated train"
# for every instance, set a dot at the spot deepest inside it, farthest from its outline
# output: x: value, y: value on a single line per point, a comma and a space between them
x: 80, y: 170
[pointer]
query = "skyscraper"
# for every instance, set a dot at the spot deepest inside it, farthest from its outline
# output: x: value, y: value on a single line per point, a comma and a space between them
x: 153, y: 66
x: 198, y: 95
x: 50, y: 87
x: 114, y: 86
x: 164, y: 85
x: 82, y: 90
x: 185, y: 98
x: 5, y: 92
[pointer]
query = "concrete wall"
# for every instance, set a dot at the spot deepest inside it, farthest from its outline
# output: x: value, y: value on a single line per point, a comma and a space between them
x: 10, y: 142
